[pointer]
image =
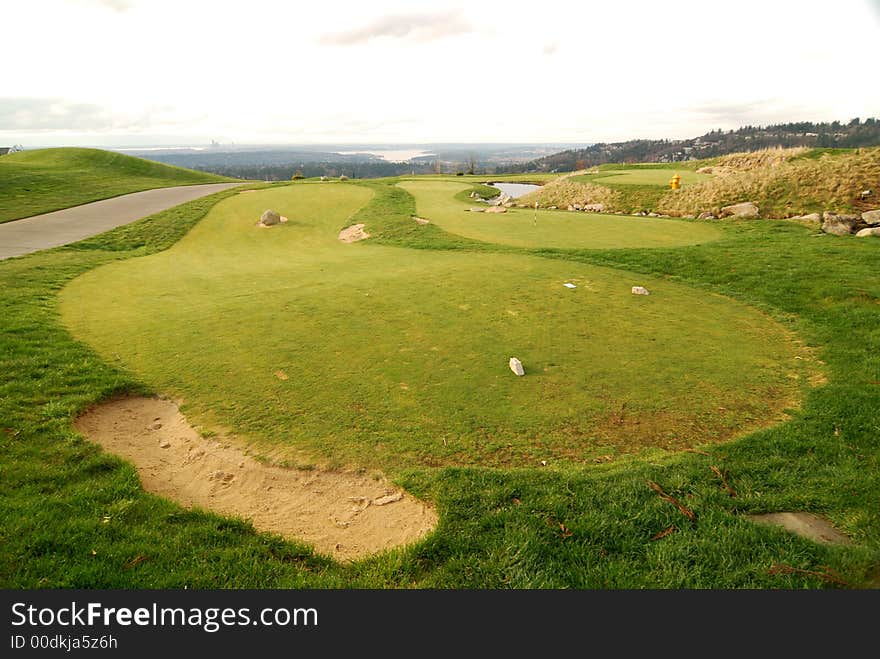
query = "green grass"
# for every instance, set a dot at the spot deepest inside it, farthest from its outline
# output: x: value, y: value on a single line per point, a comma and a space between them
x: 499, y: 527
x: 560, y: 229
x: 45, y: 180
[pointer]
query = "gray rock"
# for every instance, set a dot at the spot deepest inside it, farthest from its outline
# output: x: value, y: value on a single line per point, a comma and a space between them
x: 871, y: 217
x: 516, y: 366
x: 551, y: 208
x: 811, y: 217
x: 594, y: 208
x: 473, y: 209
x: 570, y: 207
x: 840, y: 225
x: 870, y: 231
x: 745, y: 209
x: 269, y: 218
x: 706, y: 216
x: 496, y: 209
x: 640, y: 290
x: 864, y: 194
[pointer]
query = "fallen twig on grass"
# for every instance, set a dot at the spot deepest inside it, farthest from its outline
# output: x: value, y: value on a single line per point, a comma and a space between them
x: 724, y: 482
x: 662, y: 534
x: 687, y: 512
x: 828, y: 574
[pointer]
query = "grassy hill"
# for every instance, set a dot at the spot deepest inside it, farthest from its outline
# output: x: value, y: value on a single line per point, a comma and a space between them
x: 45, y: 180
x: 782, y: 182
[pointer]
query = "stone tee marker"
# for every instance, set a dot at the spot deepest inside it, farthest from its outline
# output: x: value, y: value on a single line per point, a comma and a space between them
x: 516, y: 366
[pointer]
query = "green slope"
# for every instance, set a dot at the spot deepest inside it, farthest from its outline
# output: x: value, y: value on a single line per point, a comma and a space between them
x: 45, y: 180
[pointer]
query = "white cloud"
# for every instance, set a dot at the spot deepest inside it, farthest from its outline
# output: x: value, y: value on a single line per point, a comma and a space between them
x: 416, y: 27
x: 405, y: 71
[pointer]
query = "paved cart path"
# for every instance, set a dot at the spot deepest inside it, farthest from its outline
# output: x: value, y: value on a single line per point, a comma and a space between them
x: 72, y: 224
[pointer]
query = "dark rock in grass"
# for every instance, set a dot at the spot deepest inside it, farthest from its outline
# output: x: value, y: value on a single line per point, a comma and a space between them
x: 270, y: 218
x: 871, y: 218
x: 746, y: 209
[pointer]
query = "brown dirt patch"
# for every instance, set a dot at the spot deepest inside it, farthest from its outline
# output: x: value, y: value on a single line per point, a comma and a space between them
x: 806, y: 525
x: 342, y: 514
x: 353, y: 233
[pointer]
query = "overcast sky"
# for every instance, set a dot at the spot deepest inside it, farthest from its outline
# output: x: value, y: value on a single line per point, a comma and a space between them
x: 136, y: 72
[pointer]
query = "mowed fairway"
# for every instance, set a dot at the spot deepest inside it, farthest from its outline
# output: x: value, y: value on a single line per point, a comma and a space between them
x: 361, y: 354
x: 558, y: 229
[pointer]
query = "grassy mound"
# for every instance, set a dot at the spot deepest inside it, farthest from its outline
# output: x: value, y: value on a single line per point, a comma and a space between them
x: 45, y: 180
x: 784, y: 188
x: 397, y: 358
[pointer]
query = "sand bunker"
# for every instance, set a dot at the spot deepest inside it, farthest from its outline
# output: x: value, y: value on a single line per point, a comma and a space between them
x: 345, y: 515
x: 353, y: 233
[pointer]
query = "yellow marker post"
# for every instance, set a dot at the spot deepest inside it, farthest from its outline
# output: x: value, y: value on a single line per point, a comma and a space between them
x: 675, y: 182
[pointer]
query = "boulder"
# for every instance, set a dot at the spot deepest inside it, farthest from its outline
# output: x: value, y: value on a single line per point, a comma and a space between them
x: 864, y: 194
x: 270, y: 218
x: 871, y: 218
x: 594, y: 208
x: 516, y: 366
x: 745, y: 209
x: 501, y: 199
x: 870, y: 231
x: 640, y: 290
x: 496, y: 209
x: 811, y: 217
x: 839, y: 225
x: 706, y: 215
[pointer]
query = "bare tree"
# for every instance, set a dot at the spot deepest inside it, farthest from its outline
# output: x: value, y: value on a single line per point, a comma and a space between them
x: 472, y: 163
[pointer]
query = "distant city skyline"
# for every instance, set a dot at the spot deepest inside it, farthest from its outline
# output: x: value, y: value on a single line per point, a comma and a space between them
x: 128, y: 73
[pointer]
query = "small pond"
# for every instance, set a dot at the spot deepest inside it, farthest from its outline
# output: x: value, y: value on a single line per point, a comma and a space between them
x: 515, y: 189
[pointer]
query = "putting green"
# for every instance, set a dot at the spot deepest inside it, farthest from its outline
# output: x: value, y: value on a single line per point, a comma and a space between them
x: 522, y: 227
x: 360, y: 354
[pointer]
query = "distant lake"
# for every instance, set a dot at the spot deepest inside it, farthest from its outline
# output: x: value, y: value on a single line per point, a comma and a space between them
x: 515, y: 190
x: 392, y: 156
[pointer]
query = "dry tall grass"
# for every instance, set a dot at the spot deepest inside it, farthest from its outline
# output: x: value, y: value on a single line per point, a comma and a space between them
x: 564, y: 191
x: 783, y: 186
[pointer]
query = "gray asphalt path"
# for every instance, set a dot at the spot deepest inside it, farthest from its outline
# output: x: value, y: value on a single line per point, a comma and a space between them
x: 72, y: 224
